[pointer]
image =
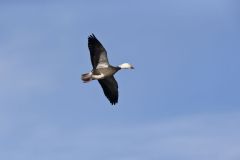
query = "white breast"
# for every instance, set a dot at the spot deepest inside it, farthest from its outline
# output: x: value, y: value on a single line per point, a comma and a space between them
x: 100, y: 76
x: 102, y: 65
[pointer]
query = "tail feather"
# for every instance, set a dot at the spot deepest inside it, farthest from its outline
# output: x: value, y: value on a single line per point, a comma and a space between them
x: 87, y: 77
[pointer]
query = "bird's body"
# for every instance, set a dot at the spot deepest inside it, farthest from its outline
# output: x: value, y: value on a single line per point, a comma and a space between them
x: 102, y: 70
x: 109, y: 71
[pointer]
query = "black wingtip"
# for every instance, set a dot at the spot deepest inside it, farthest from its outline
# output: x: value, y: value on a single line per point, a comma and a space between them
x: 92, y: 39
x: 91, y: 36
x: 113, y: 103
x: 113, y: 100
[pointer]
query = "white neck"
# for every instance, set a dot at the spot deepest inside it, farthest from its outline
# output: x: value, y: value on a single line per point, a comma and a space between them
x: 125, y: 66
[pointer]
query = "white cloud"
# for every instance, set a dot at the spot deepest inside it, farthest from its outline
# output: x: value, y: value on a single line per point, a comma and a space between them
x: 209, y: 136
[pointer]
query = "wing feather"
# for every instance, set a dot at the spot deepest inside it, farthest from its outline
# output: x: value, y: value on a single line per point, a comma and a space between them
x: 97, y: 52
x: 110, y: 89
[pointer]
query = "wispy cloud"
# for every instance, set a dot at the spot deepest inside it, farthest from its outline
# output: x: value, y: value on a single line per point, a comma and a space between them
x: 205, y: 136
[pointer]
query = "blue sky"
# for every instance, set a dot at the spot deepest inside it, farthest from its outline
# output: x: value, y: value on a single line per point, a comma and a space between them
x: 181, y: 101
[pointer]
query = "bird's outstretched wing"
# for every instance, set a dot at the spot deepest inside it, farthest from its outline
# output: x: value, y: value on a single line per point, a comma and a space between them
x: 97, y: 52
x: 110, y: 89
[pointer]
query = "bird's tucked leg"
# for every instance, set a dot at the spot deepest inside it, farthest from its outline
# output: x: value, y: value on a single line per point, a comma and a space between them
x: 87, y: 77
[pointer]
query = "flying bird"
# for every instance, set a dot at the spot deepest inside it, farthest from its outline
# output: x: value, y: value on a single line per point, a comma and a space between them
x: 102, y: 70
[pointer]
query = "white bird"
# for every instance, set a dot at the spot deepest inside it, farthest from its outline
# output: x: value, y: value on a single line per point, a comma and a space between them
x: 102, y: 70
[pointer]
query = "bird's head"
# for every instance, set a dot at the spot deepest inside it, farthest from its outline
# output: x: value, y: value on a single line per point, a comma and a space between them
x: 126, y: 66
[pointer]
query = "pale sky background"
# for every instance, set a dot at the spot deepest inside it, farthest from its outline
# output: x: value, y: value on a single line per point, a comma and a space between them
x: 180, y: 103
